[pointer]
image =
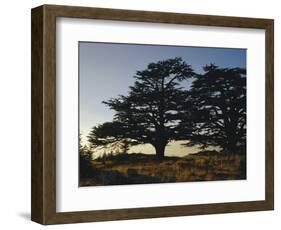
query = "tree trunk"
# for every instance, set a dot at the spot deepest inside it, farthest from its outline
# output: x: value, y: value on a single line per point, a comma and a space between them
x: 232, y: 142
x: 160, y: 141
x: 160, y: 150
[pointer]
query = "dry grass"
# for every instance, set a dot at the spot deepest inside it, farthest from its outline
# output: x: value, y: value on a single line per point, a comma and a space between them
x: 143, y: 169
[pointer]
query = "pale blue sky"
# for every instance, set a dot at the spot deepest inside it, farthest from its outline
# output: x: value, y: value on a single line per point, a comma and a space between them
x: 107, y: 69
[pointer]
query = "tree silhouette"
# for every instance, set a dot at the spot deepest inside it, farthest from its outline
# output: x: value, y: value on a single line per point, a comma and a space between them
x: 151, y: 112
x: 218, y: 116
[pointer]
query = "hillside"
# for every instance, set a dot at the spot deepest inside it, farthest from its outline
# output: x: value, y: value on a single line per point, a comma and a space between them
x: 143, y: 169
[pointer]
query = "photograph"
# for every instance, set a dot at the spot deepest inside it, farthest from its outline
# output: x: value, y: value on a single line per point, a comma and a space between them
x: 161, y: 113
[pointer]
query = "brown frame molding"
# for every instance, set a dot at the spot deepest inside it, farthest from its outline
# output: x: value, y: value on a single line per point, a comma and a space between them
x: 43, y: 188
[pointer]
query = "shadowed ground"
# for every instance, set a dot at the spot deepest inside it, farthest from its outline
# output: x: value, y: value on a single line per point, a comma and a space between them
x: 144, y: 169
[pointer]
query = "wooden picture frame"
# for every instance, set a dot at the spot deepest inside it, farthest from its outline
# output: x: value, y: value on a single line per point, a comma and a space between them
x: 43, y: 208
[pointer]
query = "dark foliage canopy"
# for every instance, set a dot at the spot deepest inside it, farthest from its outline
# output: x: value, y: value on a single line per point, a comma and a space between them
x: 158, y: 109
x: 218, y: 115
x: 150, y: 111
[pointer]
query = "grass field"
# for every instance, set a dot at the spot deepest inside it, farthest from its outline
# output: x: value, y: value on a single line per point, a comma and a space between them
x: 144, y: 169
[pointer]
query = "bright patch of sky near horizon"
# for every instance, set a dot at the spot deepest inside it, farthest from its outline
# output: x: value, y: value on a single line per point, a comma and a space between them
x: 106, y: 70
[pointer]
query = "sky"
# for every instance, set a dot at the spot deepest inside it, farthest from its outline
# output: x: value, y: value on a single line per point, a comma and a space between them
x: 106, y: 70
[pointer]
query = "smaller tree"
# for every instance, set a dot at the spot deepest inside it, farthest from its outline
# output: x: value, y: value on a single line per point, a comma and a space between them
x: 218, y: 116
x: 85, y: 157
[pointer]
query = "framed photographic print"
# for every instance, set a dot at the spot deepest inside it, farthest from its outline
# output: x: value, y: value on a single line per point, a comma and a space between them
x: 141, y: 114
